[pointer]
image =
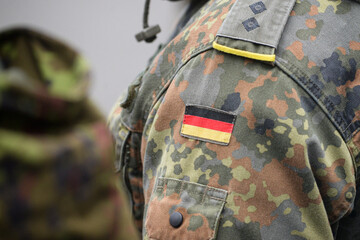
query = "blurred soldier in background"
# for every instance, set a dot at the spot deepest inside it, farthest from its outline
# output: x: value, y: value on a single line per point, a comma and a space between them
x: 246, y: 125
x: 56, y: 156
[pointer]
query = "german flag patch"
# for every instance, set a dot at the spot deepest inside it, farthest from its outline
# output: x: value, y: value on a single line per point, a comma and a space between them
x: 207, y: 124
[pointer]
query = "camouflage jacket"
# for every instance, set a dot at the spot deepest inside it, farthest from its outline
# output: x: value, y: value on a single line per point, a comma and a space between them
x: 56, y: 171
x: 246, y: 125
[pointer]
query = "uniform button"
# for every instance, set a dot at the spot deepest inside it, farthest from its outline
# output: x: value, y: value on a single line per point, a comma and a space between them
x: 176, y: 219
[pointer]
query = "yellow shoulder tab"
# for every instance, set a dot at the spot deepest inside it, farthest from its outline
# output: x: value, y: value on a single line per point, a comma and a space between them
x: 242, y: 53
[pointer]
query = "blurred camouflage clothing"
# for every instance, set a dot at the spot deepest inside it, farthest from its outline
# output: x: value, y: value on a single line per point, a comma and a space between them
x: 56, y: 170
x: 246, y: 125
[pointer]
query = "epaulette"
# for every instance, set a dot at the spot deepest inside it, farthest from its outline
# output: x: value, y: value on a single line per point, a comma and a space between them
x: 253, y: 29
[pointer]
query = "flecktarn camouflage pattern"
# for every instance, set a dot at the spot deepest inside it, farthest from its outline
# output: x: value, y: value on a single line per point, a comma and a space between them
x: 246, y: 125
x: 56, y: 172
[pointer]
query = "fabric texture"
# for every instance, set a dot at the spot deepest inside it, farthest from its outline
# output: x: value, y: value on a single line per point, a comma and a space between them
x: 290, y: 168
x: 56, y: 170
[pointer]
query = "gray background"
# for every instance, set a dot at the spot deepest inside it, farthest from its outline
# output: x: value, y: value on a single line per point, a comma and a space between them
x: 102, y: 30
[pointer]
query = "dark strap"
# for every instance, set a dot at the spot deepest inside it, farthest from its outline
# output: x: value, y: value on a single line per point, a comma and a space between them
x: 149, y: 33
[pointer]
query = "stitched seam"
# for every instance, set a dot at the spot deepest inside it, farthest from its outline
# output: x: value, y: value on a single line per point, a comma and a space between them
x: 204, y: 140
x: 219, y: 199
x: 333, y: 117
x: 209, y: 108
x: 358, y: 130
x: 173, y: 73
x: 217, y: 219
x: 323, y: 94
x: 348, y: 126
x: 352, y: 124
x: 201, y: 185
x: 182, y: 187
x: 330, y: 114
x: 203, y: 199
x: 245, y: 40
x: 123, y: 152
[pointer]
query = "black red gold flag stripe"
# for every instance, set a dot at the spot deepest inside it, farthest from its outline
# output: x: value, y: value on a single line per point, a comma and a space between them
x: 207, y: 124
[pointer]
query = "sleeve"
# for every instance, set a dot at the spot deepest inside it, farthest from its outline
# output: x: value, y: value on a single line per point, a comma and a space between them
x: 348, y: 227
x: 127, y: 140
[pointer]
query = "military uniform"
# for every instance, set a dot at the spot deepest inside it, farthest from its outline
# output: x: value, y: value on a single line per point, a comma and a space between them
x: 246, y: 125
x: 56, y: 171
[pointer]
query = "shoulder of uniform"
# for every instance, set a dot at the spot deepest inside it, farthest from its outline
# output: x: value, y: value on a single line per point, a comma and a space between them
x: 253, y: 30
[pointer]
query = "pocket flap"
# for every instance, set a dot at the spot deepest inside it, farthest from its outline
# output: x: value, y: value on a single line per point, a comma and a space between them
x: 194, y: 208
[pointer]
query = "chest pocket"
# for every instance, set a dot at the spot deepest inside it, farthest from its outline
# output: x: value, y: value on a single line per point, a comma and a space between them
x: 184, y: 210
